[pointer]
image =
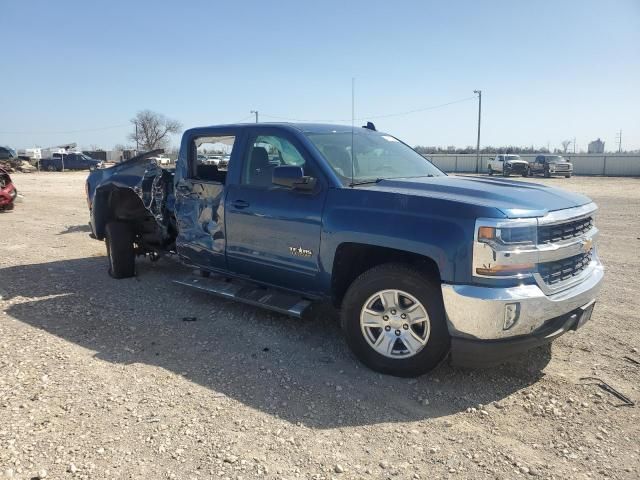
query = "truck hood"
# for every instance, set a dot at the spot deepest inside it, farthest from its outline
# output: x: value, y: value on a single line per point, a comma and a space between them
x: 514, y: 199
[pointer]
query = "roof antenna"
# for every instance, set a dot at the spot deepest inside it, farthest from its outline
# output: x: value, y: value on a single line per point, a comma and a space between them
x: 353, y: 121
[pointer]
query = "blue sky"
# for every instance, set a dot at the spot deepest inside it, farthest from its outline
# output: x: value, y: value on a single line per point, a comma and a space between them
x: 549, y: 70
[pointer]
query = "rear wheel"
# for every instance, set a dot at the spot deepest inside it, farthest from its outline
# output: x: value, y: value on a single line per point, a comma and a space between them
x: 394, y: 320
x: 120, y: 250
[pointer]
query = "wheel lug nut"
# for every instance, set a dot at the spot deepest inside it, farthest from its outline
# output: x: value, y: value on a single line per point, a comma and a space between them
x: 405, y: 326
x: 403, y: 316
x: 386, y: 317
x: 398, y: 333
x: 387, y: 328
x: 393, y: 312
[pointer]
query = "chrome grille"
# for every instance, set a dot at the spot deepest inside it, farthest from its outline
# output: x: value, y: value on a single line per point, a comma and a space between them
x: 562, y: 167
x: 564, y: 231
x: 561, y: 270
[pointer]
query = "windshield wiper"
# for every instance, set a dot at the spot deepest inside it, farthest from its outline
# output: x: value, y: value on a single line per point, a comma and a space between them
x: 366, y: 182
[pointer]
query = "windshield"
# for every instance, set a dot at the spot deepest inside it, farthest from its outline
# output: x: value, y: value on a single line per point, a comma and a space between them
x: 555, y: 158
x: 512, y: 157
x: 376, y: 156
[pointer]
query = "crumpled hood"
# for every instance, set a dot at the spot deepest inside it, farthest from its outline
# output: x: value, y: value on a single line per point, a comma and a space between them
x: 514, y: 198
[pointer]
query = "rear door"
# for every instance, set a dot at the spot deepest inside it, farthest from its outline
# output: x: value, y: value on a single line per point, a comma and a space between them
x: 273, y: 233
x: 199, y: 199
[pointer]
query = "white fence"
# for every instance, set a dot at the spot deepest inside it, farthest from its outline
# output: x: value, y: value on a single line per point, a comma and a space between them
x: 613, y: 164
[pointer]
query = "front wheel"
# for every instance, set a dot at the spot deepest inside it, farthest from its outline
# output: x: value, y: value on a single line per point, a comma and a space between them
x: 505, y: 172
x: 394, y: 320
x: 490, y: 171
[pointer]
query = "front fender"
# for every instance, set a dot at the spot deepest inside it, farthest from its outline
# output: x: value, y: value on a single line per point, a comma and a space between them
x: 439, y: 229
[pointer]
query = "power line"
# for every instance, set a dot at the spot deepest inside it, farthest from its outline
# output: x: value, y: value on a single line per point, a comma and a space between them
x: 373, y: 117
x: 66, y: 131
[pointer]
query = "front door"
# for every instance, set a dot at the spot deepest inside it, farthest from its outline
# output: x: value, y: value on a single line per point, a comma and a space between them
x: 273, y: 233
x: 199, y: 201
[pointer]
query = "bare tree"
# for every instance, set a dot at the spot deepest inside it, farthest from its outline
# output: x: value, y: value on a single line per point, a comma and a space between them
x: 565, y: 145
x: 153, y: 130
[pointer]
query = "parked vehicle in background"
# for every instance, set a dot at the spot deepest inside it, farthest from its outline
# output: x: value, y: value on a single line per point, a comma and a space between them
x: 69, y: 161
x: 213, y: 159
x: 508, y: 164
x: 8, y: 154
x: 223, y: 164
x: 418, y: 262
x: 8, y: 191
x: 161, y: 159
x: 551, y: 166
x: 32, y: 155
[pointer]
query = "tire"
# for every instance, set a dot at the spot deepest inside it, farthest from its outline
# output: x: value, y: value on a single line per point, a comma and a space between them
x: 490, y: 171
x: 409, y: 281
x: 51, y: 168
x: 120, y: 250
x: 567, y: 176
x: 547, y: 174
x: 526, y: 173
x: 505, y: 173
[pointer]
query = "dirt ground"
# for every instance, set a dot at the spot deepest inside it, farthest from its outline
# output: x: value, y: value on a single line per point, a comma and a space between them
x: 103, y: 378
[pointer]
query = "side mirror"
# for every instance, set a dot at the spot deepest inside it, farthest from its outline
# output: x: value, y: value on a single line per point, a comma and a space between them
x: 292, y: 177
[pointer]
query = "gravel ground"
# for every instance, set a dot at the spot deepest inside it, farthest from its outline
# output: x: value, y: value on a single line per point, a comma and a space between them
x: 103, y: 379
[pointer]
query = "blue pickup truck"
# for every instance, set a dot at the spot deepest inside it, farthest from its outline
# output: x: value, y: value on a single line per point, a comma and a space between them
x: 69, y: 161
x: 420, y: 264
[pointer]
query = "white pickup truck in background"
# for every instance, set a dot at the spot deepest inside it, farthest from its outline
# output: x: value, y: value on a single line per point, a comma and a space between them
x: 508, y: 164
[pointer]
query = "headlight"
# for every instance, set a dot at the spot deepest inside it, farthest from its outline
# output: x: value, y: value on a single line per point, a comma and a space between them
x: 495, y: 243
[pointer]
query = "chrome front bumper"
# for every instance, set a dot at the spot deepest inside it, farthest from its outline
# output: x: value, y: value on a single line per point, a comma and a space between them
x: 478, y: 312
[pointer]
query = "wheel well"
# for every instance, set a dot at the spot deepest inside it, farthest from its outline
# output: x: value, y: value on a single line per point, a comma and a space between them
x: 353, y: 259
x: 125, y: 205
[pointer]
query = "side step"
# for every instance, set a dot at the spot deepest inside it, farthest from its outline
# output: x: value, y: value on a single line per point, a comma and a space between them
x: 271, y: 299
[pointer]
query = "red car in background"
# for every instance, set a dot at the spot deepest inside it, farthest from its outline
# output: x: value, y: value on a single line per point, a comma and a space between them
x: 8, y: 192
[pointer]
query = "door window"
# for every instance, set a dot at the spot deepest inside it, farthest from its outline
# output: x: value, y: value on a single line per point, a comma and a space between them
x: 264, y: 154
x: 209, y: 158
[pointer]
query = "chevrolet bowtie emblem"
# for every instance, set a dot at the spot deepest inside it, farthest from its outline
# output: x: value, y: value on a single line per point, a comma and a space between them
x: 587, y: 245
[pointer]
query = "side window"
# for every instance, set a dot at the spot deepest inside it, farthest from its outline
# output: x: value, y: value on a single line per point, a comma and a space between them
x: 265, y: 153
x: 540, y: 159
x: 209, y: 158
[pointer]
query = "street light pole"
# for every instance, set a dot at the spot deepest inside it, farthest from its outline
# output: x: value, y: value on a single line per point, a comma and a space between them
x: 256, y: 112
x: 479, y: 92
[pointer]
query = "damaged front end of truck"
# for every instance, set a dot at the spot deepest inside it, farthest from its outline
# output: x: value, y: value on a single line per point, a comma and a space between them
x: 138, y: 192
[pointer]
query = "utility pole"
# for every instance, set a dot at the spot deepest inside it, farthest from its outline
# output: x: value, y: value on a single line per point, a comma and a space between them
x: 256, y: 112
x: 619, y: 138
x: 479, y: 92
x: 137, y: 145
x: 574, y: 145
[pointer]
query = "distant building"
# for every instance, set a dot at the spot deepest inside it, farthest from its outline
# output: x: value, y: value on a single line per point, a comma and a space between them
x: 597, y: 146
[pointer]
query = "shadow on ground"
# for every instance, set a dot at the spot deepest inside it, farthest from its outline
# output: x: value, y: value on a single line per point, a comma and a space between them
x: 76, y: 228
x: 300, y: 371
